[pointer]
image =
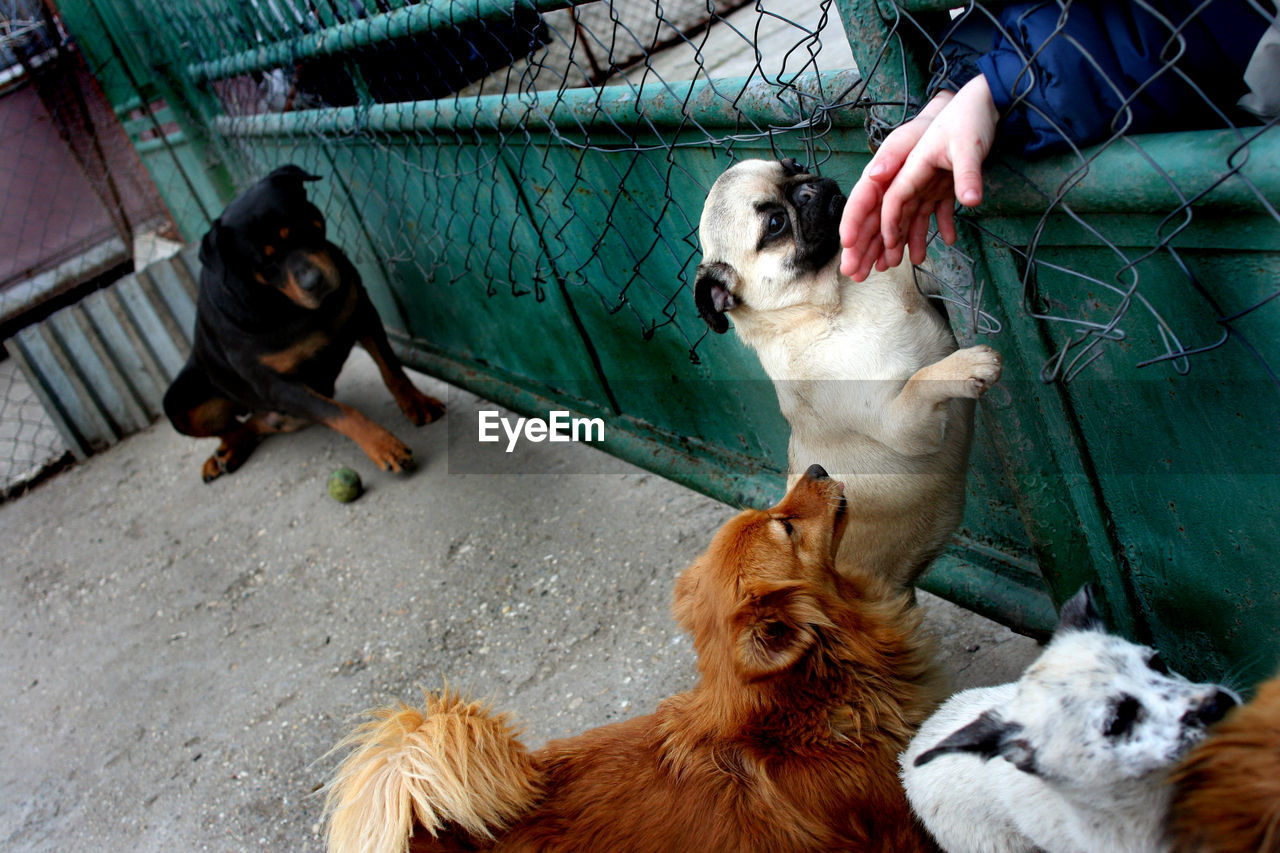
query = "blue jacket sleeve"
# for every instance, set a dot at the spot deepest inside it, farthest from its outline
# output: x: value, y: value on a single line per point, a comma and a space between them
x: 1088, y: 70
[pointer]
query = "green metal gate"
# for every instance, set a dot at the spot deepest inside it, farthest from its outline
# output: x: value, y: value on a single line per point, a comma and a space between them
x: 534, y: 241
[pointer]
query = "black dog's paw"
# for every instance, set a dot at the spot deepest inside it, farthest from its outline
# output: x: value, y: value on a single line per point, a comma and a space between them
x: 421, y: 408
x: 230, y: 455
x: 387, y: 451
x: 212, y: 469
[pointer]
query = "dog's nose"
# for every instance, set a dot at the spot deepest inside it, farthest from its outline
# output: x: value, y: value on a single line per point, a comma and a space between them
x: 816, y: 472
x: 1214, y: 708
x: 823, y: 194
x: 805, y: 193
x: 310, y: 279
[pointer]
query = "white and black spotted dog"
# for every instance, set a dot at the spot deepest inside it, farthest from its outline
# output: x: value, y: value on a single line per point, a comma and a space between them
x: 1074, y: 756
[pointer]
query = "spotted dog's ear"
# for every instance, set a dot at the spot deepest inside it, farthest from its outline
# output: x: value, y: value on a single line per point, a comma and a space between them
x: 1081, y: 613
x: 713, y: 294
x: 986, y: 737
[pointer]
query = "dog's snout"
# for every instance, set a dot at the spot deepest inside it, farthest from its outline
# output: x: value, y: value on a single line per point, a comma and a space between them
x: 805, y: 194
x: 820, y: 194
x: 816, y: 472
x: 310, y: 279
x: 1214, y: 708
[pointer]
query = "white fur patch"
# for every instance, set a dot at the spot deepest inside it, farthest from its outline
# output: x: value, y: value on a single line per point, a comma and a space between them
x: 1095, y: 730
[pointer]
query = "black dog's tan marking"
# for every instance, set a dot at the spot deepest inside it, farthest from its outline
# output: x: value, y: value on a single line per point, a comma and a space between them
x: 279, y: 309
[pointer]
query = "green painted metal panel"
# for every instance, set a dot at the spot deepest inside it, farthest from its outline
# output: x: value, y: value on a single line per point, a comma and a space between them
x: 1188, y: 467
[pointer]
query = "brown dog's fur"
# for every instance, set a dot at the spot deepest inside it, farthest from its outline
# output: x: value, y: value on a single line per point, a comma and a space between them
x: 812, y: 683
x: 1227, y: 790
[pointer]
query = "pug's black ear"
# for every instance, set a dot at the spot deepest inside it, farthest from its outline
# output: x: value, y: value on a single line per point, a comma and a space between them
x: 713, y: 293
x: 1081, y: 613
x: 290, y: 172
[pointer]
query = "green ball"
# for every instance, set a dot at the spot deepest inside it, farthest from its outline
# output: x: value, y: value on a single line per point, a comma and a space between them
x: 344, y: 485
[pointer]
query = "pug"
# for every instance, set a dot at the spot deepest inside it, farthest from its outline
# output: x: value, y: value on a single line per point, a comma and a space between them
x: 867, y: 375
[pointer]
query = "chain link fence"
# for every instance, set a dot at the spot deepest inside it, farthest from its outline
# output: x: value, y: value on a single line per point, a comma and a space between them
x: 1078, y: 79
x: 567, y: 58
x: 533, y: 75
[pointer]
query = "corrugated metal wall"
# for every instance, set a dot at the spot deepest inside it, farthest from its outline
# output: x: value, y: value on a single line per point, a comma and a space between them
x: 101, y: 366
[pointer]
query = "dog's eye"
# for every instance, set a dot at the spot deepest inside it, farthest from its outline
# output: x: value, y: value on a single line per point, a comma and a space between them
x: 284, y: 233
x: 1157, y: 663
x: 776, y: 224
x: 1127, y: 712
x: 786, y: 525
x: 268, y: 250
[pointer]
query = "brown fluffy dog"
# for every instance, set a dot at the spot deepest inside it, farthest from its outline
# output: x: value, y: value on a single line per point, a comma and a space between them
x: 1227, y: 790
x: 812, y: 683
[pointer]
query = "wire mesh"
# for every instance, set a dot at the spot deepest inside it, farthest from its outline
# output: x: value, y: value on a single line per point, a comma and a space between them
x: 1128, y: 101
x: 539, y: 65
x: 30, y: 444
x: 648, y: 48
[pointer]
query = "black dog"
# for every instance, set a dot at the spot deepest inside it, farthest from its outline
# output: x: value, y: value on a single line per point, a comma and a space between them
x: 279, y: 309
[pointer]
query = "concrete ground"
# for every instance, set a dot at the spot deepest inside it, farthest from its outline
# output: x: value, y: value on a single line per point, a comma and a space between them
x: 179, y: 657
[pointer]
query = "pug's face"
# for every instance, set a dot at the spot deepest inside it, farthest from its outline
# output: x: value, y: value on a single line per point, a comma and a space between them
x: 770, y: 239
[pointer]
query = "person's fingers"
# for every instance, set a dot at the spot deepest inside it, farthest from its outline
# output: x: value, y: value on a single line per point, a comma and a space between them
x: 848, y: 263
x: 858, y: 223
x: 918, y: 236
x: 893, y: 152
x: 907, y: 188
x: 868, y: 232
x: 891, y: 214
x: 861, y: 204
x: 890, y: 257
x: 945, y: 214
x: 901, y: 229
x: 966, y: 166
x: 868, y: 259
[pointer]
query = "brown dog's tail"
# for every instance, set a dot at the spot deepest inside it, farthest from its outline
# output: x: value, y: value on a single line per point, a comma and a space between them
x: 453, y: 765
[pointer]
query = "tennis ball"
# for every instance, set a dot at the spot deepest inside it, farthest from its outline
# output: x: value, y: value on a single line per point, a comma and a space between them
x: 344, y: 485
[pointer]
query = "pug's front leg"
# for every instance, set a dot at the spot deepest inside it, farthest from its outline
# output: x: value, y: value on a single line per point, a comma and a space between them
x: 915, y: 421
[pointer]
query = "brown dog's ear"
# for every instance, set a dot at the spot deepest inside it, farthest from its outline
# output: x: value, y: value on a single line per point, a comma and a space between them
x: 713, y: 294
x: 773, y: 628
x: 684, y: 599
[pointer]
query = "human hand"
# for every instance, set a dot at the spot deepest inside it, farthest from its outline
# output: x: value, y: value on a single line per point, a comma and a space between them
x: 916, y: 173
